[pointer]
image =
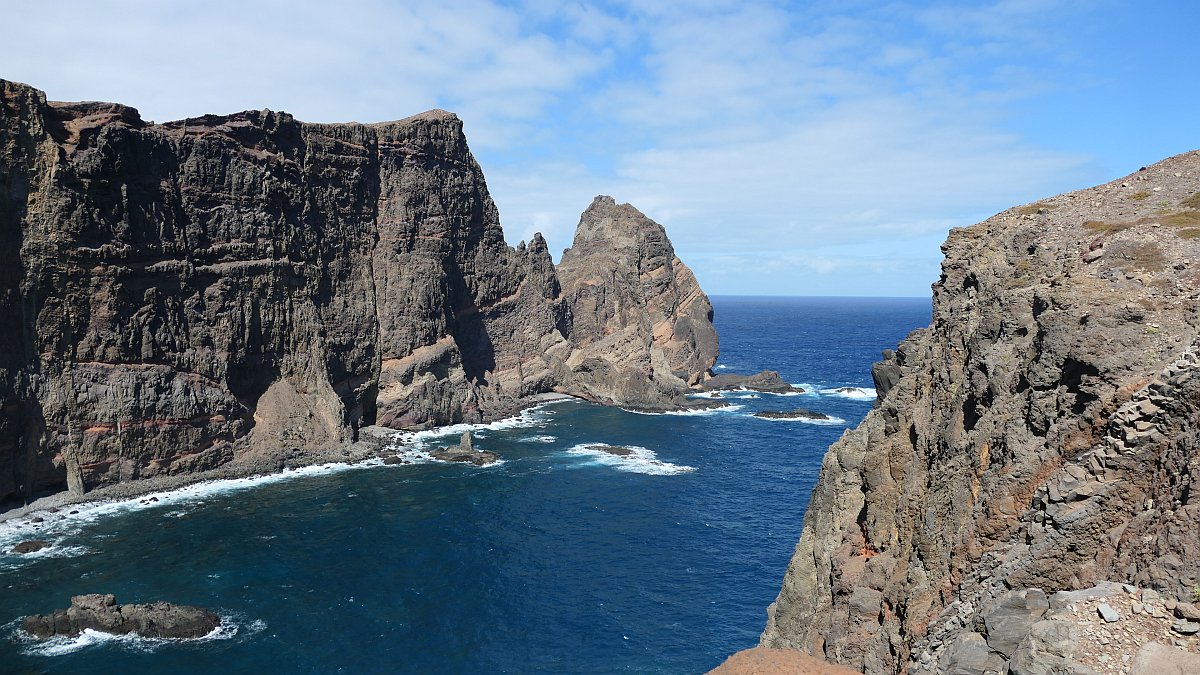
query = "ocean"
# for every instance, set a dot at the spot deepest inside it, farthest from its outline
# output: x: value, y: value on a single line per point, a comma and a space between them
x: 558, y: 559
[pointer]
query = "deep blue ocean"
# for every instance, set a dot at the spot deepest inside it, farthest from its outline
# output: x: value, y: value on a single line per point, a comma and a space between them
x: 559, y: 559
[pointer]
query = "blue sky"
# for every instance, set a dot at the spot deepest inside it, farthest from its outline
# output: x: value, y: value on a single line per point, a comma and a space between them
x: 809, y: 148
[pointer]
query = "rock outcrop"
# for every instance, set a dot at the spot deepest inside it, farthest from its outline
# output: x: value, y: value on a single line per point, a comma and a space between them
x: 466, y: 452
x: 622, y: 282
x: 768, y: 381
x: 223, y: 289
x: 1041, y: 435
x: 101, y: 613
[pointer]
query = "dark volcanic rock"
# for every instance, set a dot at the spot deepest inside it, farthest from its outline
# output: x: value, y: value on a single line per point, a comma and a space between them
x: 466, y: 452
x: 798, y: 414
x: 30, y: 546
x: 250, y: 288
x: 1041, y: 433
x: 768, y: 381
x: 476, y: 457
x: 886, y: 373
x: 101, y: 613
x: 617, y: 450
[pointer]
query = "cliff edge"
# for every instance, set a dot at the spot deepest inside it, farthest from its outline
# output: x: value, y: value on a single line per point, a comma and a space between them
x: 185, y: 295
x: 1039, y: 436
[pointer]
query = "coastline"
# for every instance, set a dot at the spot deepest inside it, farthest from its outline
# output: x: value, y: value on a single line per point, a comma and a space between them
x: 372, y: 444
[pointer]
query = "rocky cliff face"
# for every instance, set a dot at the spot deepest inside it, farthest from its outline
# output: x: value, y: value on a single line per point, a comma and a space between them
x: 1041, y: 433
x: 642, y: 326
x: 183, y: 295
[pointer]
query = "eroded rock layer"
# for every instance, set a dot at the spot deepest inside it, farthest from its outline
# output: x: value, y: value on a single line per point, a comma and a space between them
x: 179, y: 296
x: 1041, y: 433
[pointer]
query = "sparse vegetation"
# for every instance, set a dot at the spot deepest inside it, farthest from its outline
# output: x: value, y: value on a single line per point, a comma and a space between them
x: 1182, y: 219
x: 1031, y: 209
x: 1106, y: 228
x: 1139, y: 195
x: 1192, y: 202
x: 1146, y: 256
x: 1177, y: 219
x: 1189, y: 233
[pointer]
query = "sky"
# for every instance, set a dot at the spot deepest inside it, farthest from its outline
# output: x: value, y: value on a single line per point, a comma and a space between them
x: 789, y: 148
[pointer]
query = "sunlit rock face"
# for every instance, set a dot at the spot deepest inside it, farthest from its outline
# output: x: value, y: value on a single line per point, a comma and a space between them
x: 1041, y: 433
x: 180, y: 296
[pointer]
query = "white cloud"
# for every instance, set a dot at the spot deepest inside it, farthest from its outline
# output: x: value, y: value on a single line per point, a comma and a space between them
x: 778, y: 132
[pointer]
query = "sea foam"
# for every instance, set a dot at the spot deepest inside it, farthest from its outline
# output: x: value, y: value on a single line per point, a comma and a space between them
x: 690, y: 412
x: 543, y: 438
x: 856, y: 393
x: 827, y: 422
x: 639, y: 460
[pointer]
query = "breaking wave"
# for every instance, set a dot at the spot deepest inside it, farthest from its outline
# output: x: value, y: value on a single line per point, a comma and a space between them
x: 637, y: 459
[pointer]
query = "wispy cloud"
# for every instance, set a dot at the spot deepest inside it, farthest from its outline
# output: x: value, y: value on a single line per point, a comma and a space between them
x: 818, y: 140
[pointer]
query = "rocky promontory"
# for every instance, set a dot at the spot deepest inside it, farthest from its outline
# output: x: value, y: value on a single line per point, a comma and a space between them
x: 249, y: 289
x: 1040, y: 436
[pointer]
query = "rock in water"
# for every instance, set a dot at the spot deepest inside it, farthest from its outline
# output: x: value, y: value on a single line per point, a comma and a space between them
x: 30, y: 546
x: 101, y: 613
x: 1034, y: 436
x: 251, y: 288
x: 798, y: 414
x: 767, y: 381
x: 465, y: 452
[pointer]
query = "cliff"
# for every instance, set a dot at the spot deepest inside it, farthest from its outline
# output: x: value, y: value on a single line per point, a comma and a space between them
x: 1041, y: 433
x: 181, y: 296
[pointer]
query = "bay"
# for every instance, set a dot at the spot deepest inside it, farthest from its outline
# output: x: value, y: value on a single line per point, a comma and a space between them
x: 559, y: 559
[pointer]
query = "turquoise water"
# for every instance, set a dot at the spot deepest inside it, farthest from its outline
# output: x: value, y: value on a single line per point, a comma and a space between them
x: 559, y: 559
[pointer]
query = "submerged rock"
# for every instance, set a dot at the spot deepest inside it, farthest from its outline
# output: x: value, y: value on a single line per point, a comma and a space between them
x: 798, y: 414
x: 29, y: 546
x: 101, y: 613
x: 617, y: 450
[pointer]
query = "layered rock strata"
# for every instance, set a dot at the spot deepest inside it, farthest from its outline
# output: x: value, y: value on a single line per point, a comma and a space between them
x: 1040, y: 435
x: 185, y: 295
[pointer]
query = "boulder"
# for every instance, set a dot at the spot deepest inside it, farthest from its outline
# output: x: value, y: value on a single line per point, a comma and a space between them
x: 1158, y: 659
x: 1010, y: 620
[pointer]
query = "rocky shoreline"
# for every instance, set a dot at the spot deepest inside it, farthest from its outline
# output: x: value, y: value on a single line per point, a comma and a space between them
x: 372, y: 444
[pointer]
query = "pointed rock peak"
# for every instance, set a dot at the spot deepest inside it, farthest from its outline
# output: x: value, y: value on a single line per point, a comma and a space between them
x: 606, y: 206
x: 620, y: 225
x: 537, y: 244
